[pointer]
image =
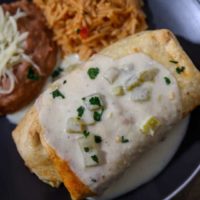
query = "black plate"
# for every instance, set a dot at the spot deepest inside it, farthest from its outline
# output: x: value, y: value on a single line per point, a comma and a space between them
x: 16, y: 182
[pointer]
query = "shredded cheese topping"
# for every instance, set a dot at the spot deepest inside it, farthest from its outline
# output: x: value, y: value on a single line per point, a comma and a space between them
x: 11, y: 47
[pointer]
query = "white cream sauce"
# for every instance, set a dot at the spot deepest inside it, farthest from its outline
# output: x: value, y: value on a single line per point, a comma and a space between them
x: 122, y: 116
x: 149, y: 165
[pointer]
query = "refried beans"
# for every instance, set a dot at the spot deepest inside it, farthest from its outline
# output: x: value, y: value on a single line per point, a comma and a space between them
x: 42, y: 50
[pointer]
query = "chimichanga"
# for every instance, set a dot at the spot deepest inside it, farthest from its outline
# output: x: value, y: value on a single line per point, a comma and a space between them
x: 89, y: 126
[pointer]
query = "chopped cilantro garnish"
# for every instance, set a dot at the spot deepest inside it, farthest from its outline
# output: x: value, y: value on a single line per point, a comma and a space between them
x: 65, y: 81
x: 86, y: 133
x: 32, y: 75
x: 57, y: 93
x: 80, y: 111
x: 97, y: 116
x: 57, y: 72
x: 93, y: 180
x: 86, y: 149
x: 173, y: 61
x: 95, y: 158
x: 167, y: 80
x: 93, y: 72
x: 95, y: 101
x: 180, y: 69
x: 97, y: 139
x: 124, y: 140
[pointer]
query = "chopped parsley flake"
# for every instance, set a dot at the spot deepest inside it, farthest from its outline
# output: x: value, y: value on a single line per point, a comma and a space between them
x: 57, y: 93
x: 93, y: 180
x: 86, y: 133
x: 124, y: 140
x: 179, y: 70
x: 64, y: 82
x: 93, y: 72
x: 57, y: 72
x: 167, y: 80
x: 97, y: 139
x: 97, y: 116
x: 80, y: 111
x: 32, y: 75
x: 173, y: 61
x: 86, y: 149
x: 95, y: 158
x: 95, y: 101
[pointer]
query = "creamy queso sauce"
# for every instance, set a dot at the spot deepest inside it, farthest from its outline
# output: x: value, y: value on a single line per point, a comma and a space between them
x: 149, y: 165
x: 121, y: 127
